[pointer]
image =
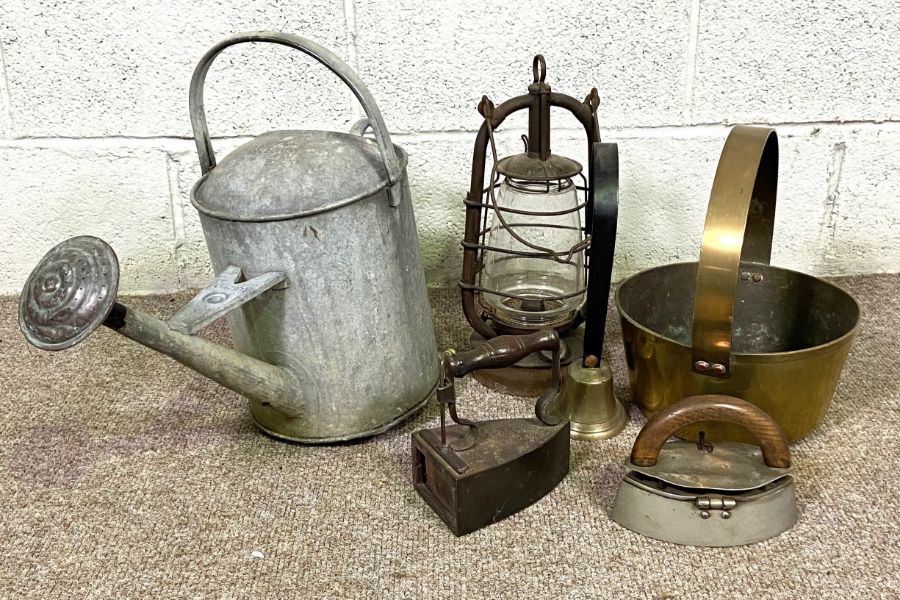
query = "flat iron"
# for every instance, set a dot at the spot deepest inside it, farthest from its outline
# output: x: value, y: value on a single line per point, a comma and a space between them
x: 697, y: 494
x: 475, y: 474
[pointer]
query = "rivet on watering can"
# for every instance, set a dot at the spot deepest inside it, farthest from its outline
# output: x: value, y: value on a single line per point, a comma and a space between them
x: 702, y: 366
x: 745, y: 275
x: 726, y: 514
x: 704, y: 514
x: 757, y: 277
x: 718, y: 369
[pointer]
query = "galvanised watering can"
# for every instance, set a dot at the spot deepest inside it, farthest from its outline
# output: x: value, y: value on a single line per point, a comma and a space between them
x: 313, y: 240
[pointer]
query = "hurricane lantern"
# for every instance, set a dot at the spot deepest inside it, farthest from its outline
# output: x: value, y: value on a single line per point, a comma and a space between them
x: 527, y: 255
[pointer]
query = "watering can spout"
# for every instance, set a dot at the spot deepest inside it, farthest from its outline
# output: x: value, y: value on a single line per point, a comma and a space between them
x: 72, y: 291
x: 248, y: 376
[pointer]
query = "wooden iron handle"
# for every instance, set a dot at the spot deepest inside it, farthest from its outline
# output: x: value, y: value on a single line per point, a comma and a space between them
x: 711, y: 407
x: 502, y: 351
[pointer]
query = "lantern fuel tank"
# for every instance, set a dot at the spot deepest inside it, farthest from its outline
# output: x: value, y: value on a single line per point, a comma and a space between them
x: 313, y: 239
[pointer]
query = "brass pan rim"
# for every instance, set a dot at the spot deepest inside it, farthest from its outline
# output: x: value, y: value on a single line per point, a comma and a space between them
x: 754, y: 357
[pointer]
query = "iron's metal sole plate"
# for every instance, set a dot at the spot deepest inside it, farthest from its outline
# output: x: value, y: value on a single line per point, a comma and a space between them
x: 672, y: 514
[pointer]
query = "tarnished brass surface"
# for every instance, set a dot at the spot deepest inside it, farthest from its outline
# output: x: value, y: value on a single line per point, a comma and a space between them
x: 589, y: 402
x: 774, y: 337
x: 739, y: 221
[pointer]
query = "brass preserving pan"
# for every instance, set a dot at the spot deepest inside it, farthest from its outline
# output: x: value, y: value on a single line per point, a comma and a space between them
x: 732, y: 323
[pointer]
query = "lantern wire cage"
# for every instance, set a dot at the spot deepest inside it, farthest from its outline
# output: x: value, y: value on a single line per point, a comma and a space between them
x: 494, y: 219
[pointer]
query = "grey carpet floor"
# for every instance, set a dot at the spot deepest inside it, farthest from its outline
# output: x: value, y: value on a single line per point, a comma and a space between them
x: 124, y: 474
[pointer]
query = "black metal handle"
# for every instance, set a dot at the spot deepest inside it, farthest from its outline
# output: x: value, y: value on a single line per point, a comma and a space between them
x: 502, y: 351
x: 605, y: 209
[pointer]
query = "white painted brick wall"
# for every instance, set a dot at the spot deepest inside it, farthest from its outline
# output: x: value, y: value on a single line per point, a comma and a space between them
x: 95, y: 136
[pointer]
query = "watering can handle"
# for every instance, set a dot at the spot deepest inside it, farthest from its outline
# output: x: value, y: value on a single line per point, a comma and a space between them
x: 739, y: 223
x: 711, y: 407
x: 321, y: 54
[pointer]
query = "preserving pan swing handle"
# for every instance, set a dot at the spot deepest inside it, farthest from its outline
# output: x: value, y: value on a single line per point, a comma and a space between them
x: 739, y: 223
x: 711, y: 407
x: 321, y: 54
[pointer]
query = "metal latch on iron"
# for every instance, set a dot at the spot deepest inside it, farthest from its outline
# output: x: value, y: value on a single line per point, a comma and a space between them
x: 706, y: 504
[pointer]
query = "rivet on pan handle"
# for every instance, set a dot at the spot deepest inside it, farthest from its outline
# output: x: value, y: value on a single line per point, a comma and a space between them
x: 321, y: 54
x: 711, y: 407
x: 739, y: 223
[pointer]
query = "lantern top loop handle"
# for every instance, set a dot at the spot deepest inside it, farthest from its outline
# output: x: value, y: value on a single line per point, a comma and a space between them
x: 539, y: 68
x: 326, y: 58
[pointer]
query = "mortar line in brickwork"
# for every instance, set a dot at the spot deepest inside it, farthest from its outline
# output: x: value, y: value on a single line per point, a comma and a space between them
x: 5, y: 97
x: 356, y: 110
x: 175, y: 206
x: 690, y: 69
x: 186, y: 144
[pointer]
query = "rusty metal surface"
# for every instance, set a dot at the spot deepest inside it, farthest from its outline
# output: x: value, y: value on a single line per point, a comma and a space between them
x: 526, y: 167
x: 475, y: 473
x: 539, y: 100
x: 516, y: 463
x: 69, y: 293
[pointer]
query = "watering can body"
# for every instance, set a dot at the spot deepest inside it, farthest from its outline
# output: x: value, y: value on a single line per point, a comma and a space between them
x: 332, y: 212
x: 351, y: 320
x: 313, y: 241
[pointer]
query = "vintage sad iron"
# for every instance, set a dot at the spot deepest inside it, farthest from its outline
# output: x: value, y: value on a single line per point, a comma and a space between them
x: 699, y: 494
x: 475, y: 474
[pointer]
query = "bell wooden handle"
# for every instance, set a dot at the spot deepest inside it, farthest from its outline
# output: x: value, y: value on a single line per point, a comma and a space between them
x: 711, y: 407
x: 739, y: 222
x: 321, y: 54
x: 502, y: 351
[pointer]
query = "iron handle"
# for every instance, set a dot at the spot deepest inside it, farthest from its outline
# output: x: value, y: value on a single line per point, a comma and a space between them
x: 502, y: 351
x: 739, y: 223
x: 711, y: 407
x: 321, y: 54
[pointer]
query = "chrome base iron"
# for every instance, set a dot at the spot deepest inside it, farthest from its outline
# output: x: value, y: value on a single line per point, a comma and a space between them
x: 700, y: 494
x: 475, y: 474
